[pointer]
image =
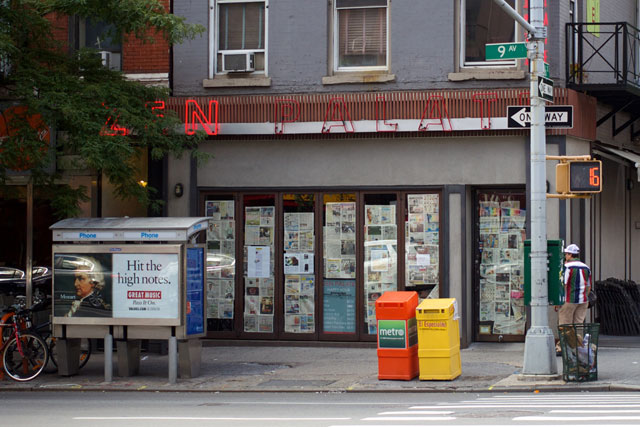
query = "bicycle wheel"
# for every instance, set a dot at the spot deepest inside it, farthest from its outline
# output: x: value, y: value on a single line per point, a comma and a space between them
x: 85, y: 351
x: 25, y: 357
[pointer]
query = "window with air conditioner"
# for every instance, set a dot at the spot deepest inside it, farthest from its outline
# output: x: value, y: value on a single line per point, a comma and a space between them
x: 241, y: 36
x: 483, y: 22
x: 97, y: 35
x: 360, y: 35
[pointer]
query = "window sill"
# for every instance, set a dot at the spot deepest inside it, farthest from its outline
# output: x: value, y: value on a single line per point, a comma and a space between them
x: 487, y: 75
x: 340, y: 79
x: 226, y: 81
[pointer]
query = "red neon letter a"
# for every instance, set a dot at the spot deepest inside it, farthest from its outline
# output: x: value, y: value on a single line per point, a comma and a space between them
x: 337, y: 111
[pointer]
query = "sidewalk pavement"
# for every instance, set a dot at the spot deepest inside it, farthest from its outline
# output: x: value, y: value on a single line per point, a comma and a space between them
x: 494, y: 367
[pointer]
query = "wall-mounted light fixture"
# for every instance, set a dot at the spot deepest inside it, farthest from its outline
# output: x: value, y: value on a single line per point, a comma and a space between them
x: 178, y: 190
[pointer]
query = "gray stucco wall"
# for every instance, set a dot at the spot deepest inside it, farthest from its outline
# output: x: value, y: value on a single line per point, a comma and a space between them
x: 612, y: 222
x: 374, y: 162
x: 191, y: 58
x: 635, y: 227
x: 422, y: 49
x: 423, y: 46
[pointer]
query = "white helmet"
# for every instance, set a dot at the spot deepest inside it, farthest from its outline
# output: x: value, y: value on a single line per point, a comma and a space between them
x: 572, y: 249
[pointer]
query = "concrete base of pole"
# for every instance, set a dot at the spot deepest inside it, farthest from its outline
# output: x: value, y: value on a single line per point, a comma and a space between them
x: 68, y: 356
x: 128, y: 357
x: 189, y: 358
x: 539, y: 352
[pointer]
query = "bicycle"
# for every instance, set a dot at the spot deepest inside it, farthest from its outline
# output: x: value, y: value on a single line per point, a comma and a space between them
x: 44, y: 329
x: 46, y: 332
x: 24, y: 353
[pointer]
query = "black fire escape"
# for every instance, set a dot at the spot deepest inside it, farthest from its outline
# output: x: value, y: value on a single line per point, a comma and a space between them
x: 603, y: 61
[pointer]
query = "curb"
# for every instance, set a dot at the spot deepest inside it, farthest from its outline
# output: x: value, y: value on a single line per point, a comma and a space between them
x: 490, y: 389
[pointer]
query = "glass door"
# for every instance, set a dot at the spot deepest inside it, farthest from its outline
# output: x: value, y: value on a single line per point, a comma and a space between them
x: 299, y: 244
x: 221, y: 262
x: 339, y: 265
x: 499, y: 256
x: 380, y: 252
x: 259, y: 222
x: 422, y: 244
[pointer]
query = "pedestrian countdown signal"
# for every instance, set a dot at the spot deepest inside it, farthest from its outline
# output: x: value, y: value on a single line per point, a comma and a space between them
x: 579, y: 177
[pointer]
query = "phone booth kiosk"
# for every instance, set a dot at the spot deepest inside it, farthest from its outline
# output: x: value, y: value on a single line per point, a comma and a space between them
x: 129, y: 279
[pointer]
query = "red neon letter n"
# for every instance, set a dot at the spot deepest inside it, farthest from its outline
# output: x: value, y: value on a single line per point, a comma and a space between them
x: 194, y: 113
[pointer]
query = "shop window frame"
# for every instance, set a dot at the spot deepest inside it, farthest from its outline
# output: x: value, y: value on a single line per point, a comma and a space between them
x: 476, y: 256
x: 462, y: 41
x: 336, y: 8
x: 214, y: 40
x: 361, y: 333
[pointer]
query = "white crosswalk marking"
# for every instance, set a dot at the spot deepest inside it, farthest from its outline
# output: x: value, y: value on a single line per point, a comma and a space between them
x: 416, y: 413
x: 596, y: 418
x: 589, y: 411
x: 536, y: 410
x: 408, y: 418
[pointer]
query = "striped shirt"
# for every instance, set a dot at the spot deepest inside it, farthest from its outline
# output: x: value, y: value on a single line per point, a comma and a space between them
x: 577, y: 281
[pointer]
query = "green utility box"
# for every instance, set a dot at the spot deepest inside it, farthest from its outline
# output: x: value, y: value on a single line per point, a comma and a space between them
x: 554, y: 272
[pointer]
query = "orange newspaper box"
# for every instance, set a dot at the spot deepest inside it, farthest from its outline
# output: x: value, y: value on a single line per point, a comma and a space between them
x: 397, y: 336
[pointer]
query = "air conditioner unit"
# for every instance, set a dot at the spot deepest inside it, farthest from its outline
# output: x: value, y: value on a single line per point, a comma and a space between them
x: 106, y: 58
x: 238, y: 62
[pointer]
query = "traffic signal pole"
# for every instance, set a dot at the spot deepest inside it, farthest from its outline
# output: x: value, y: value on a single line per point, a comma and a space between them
x: 539, y: 349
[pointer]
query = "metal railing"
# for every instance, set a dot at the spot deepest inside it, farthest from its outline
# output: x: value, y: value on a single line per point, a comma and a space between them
x: 604, y: 53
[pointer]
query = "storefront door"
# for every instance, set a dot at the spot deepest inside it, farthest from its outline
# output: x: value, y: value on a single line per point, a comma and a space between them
x: 500, y: 232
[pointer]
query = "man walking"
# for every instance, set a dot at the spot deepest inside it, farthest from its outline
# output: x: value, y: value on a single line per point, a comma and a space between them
x: 577, y: 284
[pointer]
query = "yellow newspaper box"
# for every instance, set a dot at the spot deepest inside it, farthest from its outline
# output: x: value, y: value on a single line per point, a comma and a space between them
x: 438, y: 339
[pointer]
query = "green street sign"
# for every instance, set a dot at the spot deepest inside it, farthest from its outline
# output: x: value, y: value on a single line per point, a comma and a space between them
x: 546, y: 70
x: 500, y: 51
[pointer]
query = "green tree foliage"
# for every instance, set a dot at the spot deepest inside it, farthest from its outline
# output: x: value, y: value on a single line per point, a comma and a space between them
x: 78, y: 98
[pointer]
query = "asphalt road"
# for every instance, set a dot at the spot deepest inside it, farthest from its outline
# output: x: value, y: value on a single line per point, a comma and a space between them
x: 317, y: 409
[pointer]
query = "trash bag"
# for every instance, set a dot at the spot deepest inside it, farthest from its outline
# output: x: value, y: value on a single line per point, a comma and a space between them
x: 579, y: 344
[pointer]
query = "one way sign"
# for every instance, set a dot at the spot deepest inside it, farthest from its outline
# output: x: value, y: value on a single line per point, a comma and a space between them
x: 555, y: 116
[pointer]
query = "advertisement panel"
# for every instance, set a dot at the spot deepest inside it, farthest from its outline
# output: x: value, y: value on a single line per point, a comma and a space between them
x: 392, y: 334
x: 195, y: 291
x: 117, y: 285
x: 146, y: 285
x: 83, y: 285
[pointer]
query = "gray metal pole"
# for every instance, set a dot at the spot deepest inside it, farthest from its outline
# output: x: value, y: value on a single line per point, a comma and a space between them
x: 512, y: 13
x: 539, y: 354
x: 108, y: 358
x: 29, y: 268
x: 173, y: 360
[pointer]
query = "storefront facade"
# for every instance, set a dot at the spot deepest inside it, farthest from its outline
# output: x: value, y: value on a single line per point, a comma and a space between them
x: 366, y: 151
x: 340, y: 217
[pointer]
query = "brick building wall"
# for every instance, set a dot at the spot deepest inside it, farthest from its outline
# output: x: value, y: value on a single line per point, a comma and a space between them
x: 60, y: 27
x: 149, y: 57
x: 138, y: 57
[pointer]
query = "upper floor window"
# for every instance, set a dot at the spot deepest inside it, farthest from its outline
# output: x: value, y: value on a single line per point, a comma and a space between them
x: 241, y: 36
x: 483, y: 22
x: 98, y: 35
x: 360, y: 35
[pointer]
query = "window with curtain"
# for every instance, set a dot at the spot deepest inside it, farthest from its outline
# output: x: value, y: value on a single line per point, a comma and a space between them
x: 361, y: 39
x: 485, y: 22
x: 241, y: 29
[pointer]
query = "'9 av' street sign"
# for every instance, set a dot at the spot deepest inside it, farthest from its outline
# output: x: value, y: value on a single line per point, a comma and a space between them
x: 500, y: 51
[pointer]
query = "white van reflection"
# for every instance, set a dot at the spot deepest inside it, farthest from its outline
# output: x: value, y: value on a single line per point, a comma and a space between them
x: 220, y: 265
x: 380, y: 255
